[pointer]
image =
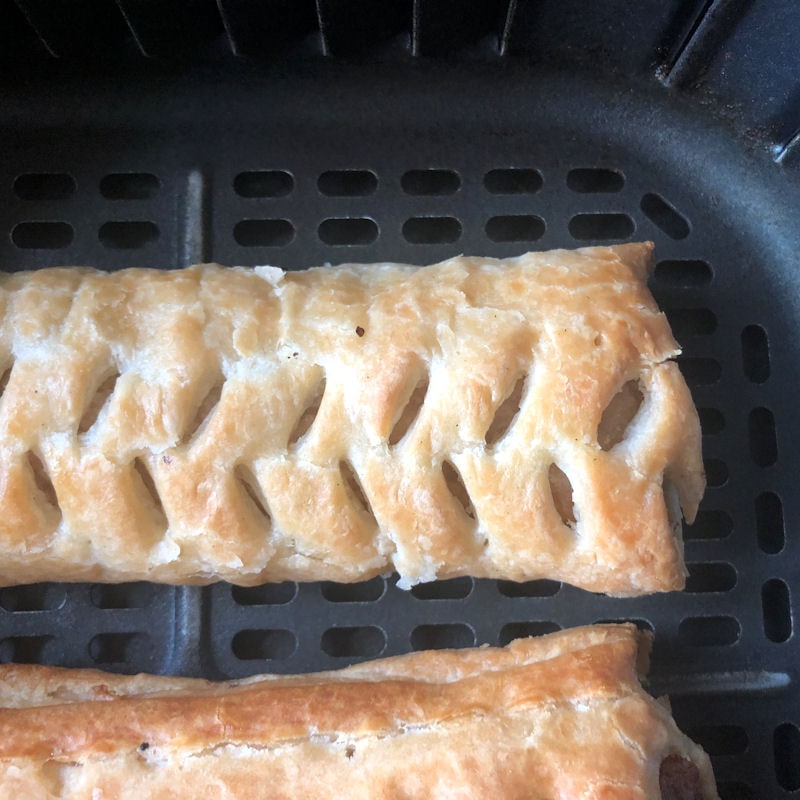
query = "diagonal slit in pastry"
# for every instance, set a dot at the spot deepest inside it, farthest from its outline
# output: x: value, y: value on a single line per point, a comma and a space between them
x: 205, y: 410
x: 619, y: 414
x: 306, y: 419
x: 149, y: 485
x: 252, y: 488
x: 355, y: 490
x: 561, y: 490
x: 99, y: 400
x: 5, y: 377
x: 506, y: 412
x: 43, y: 482
x: 410, y: 411
x: 456, y: 487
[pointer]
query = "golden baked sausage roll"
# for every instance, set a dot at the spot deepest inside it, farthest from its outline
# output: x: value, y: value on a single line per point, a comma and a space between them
x: 562, y: 716
x: 514, y: 419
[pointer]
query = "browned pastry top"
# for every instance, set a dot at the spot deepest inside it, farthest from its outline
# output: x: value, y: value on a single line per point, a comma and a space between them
x: 563, y: 716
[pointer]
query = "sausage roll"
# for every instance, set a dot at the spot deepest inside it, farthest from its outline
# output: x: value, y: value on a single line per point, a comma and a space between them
x: 517, y: 419
x: 562, y: 716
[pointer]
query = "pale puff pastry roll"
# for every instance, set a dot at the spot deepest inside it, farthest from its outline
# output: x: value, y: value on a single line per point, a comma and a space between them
x: 562, y: 716
x: 520, y: 419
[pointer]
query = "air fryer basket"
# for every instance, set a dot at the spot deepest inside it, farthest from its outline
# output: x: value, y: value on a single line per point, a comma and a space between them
x: 296, y: 134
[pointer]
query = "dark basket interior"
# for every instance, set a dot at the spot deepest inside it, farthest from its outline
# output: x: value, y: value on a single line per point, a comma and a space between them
x: 301, y: 133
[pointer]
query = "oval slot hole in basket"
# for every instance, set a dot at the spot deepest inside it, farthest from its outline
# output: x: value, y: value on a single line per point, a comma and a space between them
x: 274, y: 644
x: 786, y: 749
x: 522, y: 630
x: 777, y: 610
x: 769, y: 523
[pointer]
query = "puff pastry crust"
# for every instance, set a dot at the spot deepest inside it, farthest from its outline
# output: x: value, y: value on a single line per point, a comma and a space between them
x: 562, y: 716
x: 471, y: 417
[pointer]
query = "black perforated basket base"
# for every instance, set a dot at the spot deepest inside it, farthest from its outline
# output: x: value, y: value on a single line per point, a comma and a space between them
x: 252, y: 165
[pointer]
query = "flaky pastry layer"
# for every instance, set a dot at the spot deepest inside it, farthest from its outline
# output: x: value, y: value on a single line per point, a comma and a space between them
x: 515, y: 419
x: 562, y: 716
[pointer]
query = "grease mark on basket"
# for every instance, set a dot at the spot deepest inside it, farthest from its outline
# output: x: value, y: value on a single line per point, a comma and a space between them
x: 99, y: 400
x: 506, y: 412
x: 263, y: 644
x: 619, y: 414
x: 665, y: 216
x: 310, y: 411
x: 561, y: 492
x: 252, y: 489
